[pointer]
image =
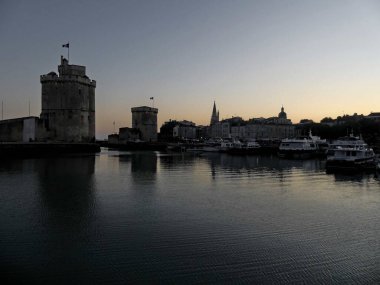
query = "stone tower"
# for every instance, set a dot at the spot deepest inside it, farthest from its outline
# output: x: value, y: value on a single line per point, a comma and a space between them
x: 68, y: 104
x: 214, y: 115
x: 145, y: 119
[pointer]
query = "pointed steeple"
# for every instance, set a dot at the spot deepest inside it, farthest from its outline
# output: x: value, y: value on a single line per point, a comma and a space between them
x: 214, y: 115
x: 214, y: 110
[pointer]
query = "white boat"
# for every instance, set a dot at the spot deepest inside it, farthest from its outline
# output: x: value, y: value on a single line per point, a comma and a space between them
x: 322, y: 145
x: 350, y: 153
x: 225, y: 146
x: 350, y: 141
x: 297, y: 148
x: 250, y: 147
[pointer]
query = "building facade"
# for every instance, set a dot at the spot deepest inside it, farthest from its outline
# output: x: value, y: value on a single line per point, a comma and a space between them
x: 145, y: 119
x: 273, y: 128
x: 185, y: 130
x: 27, y: 129
x: 129, y: 134
x: 68, y: 104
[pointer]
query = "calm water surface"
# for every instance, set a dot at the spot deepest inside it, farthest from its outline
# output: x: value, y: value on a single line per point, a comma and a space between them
x: 121, y: 217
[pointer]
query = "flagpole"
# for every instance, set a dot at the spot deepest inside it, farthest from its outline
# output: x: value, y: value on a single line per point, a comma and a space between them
x: 152, y: 98
x: 68, y: 52
x: 2, y: 110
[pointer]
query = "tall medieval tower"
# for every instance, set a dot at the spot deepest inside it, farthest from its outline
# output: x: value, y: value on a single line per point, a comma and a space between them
x: 68, y: 104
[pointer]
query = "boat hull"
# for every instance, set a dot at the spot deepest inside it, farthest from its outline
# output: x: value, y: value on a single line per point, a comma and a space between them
x: 243, y: 151
x: 297, y: 154
x: 351, y: 165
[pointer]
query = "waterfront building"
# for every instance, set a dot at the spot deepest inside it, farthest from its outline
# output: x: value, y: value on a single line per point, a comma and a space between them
x: 129, y: 134
x: 173, y: 130
x: 269, y: 129
x: 113, y: 139
x: 215, y: 130
x: 273, y: 128
x: 239, y: 131
x: 201, y: 132
x: 374, y: 116
x: 166, y: 130
x: 145, y: 120
x: 185, y: 130
x: 68, y: 104
x: 232, y: 126
x: 306, y: 122
x: 27, y: 129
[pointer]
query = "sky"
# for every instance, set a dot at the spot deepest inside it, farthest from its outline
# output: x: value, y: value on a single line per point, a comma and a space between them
x: 316, y: 58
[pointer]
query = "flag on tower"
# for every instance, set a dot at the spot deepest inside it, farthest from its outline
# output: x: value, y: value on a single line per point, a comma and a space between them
x: 66, y: 45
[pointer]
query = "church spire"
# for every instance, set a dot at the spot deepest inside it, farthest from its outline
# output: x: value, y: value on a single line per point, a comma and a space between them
x: 214, y: 115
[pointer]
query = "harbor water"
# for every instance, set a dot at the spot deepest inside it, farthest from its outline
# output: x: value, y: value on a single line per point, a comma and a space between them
x: 159, y: 218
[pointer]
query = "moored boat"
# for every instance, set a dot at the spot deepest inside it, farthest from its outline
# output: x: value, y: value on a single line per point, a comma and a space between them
x: 321, y: 144
x: 297, y: 148
x: 250, y: 147
x: 350, y: 153
x: 212, y: 146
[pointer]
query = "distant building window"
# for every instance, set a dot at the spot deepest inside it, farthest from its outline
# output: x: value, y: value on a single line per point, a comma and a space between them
x: 80, y: 91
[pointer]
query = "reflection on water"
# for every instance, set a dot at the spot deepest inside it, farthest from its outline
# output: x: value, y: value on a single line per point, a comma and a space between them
x: 144, y: 166
x: 66, y: 185
x: 259, y: 163
x: 147, y: 217
x: 54, y: 202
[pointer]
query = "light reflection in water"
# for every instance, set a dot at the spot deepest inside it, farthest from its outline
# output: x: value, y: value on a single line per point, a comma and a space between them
x: 133, y: 217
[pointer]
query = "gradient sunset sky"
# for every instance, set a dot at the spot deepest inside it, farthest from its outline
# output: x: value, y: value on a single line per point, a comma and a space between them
x: 317, y: 58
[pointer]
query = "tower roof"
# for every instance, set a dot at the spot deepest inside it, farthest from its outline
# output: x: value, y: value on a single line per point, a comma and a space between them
x: 282, y: 114
x: 214, y: 115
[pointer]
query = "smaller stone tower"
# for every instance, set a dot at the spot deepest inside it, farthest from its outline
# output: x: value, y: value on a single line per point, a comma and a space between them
x: 214, y: 115
x: 145, y: 119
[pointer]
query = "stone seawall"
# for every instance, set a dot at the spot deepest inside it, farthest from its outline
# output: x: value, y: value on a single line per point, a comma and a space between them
x: 45, y: 149
x: 131, y: 146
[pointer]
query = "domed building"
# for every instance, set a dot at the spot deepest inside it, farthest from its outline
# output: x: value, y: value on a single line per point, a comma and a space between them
x: 282, y: 114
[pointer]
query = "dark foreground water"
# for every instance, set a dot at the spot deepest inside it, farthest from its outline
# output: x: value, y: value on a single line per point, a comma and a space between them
x: 128, y: 218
